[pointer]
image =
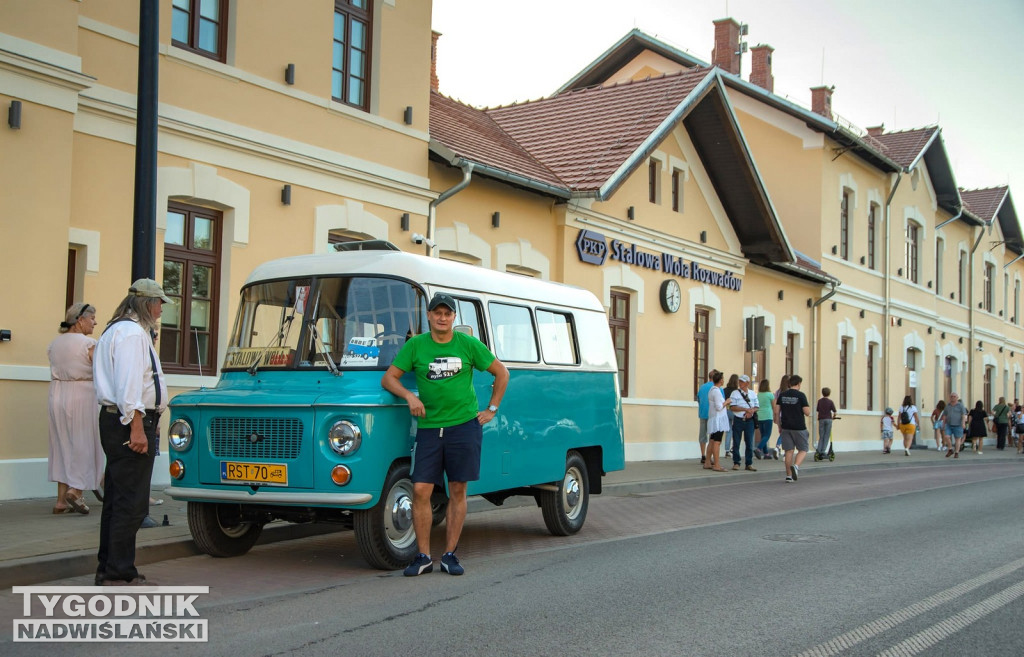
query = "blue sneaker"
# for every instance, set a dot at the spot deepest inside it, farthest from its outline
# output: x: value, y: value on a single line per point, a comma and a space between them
x: 450, y: 564
x: 421, y: 564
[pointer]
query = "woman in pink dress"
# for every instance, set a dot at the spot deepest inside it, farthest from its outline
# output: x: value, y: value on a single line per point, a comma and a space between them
x: 76, y: 457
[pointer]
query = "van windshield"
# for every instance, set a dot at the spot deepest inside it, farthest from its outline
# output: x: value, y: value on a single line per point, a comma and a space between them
x: 355, y: 321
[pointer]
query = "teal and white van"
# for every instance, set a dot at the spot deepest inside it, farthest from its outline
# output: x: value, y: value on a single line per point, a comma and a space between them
x: 299, y: 428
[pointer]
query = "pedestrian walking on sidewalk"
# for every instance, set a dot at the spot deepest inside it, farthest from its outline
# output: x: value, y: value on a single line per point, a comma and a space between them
x: 730, y: 387
x: 702, y: 415
x: 76, y: 457
x: 937, y: 424
x: 718, y: 422
x: 954, y: 419
x: 887, y: 425
x: 132, y: 393
x: 765, y: 419
x: 743, y: 405
x: 448, y: 433
x: 794, y: 410
x: 910, y: 420
x: 783, y: 387
x: 978, y: 426
x: 1001, y: 418
x: 826, y: 413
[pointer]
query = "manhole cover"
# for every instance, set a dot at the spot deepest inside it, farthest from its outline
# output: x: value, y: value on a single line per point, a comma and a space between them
x: 798, y: 538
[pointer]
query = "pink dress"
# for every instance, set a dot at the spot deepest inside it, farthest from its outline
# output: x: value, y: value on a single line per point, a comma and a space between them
x: 76, y: 456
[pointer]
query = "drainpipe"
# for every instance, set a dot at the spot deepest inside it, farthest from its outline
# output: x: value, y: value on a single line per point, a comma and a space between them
x: 887, y: 308
x: 814, y: 356
x: 970, y: 314
x: 467, y: 174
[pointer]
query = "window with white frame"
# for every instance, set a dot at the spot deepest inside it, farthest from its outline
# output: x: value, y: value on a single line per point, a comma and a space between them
x: 987, y: 286
x: 911, y: 252
x: 872, y: 227
x: 654, y: 181
x: 940, y: 247
x: 844, y: 226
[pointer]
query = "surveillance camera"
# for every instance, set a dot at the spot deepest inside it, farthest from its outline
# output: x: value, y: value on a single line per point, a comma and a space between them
x: 420, y: 239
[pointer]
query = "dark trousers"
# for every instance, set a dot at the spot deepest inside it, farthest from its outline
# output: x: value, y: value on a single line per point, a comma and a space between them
x: 743, y: 430
x: 125, y: 497
x: 1001, y: 431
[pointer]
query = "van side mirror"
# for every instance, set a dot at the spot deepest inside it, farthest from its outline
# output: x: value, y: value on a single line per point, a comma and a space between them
x: 463, y: 328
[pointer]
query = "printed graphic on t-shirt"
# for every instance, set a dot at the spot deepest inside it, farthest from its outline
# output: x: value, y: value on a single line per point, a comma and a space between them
x: 444, y: 368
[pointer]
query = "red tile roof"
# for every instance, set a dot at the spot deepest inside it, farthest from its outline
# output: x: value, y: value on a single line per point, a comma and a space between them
x: 983, y: 203
x: 472, y: 134
x: 584, y: 136
x: 905, y: 146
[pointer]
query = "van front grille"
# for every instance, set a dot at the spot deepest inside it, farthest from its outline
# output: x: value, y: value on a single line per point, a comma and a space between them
x: 256, y: 438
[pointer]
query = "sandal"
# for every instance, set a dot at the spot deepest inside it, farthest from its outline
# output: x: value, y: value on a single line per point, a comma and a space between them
x: 59, y: 510
x: 719, y: 469
x: 76, y: 503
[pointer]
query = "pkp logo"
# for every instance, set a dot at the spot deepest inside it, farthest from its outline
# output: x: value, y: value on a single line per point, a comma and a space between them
x: 591, y: 247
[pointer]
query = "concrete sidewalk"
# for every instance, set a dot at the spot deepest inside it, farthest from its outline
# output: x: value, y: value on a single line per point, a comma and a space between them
x: 38, y: 546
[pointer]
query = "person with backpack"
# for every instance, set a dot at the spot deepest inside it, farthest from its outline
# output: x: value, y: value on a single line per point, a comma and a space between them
x: 909, y: 421
x: 1001, y: 418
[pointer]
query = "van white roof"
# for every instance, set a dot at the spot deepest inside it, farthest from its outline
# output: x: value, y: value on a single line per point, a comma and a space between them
x: 432, y: 272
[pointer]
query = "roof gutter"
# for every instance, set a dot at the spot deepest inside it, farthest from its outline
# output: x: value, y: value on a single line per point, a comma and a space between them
x: 972, y: 311
x: 814, y: 345
x: 887, y: 308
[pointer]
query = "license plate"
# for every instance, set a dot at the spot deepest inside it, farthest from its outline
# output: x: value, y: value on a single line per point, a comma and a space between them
x: 274, y: 474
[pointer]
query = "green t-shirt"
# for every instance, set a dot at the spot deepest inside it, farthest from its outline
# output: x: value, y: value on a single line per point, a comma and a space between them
x: 1001, y: 413
x: 444, y: 376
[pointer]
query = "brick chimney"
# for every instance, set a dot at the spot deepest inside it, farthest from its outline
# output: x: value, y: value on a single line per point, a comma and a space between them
x: 821, y: 101
x: 761, y: 67
x: 433, y: 60
x: 727, y: 44
x: 876, y: 131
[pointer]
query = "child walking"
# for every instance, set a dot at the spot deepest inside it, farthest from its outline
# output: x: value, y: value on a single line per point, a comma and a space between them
x: 826, y: 413
x: 888, y: 425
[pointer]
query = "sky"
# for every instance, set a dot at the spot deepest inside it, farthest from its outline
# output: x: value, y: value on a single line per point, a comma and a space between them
x: 902, y: 63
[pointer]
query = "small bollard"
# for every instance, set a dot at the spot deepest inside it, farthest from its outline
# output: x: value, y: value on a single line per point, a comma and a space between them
x: 166, y: 522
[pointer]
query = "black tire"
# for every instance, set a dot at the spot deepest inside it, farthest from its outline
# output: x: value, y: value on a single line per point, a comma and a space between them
x: 384, y: 533
x: 217, y: 531
x: 438, y: 507
x: 565, y: 509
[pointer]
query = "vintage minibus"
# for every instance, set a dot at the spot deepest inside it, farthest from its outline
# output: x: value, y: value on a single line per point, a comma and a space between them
x: 298, y: 427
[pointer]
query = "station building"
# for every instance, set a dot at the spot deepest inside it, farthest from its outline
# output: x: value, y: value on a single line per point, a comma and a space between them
x: 721, y: 225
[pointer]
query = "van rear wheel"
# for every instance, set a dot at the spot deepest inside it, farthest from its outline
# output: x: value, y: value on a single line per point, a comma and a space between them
x: 218, y: 530
x: 384, y: 533
x: 565, y: 509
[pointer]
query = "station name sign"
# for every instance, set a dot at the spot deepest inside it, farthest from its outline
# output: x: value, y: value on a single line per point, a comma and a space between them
x: 592, y: 248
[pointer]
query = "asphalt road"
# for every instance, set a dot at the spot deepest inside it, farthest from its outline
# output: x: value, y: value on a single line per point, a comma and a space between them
x: 922, y: 562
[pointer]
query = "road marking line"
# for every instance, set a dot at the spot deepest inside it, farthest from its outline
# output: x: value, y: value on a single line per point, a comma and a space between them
x: 929, y: 637
x: 874, y: 628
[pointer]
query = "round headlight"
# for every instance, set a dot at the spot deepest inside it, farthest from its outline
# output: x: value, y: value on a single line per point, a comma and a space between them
x: 345, y: 437
x: 179, y: 435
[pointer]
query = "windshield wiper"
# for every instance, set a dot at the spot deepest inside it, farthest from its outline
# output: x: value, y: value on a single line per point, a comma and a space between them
x: 324, y: 351
x: 282, y: 332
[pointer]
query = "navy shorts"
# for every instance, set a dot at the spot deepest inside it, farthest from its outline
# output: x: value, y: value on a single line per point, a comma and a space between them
x: 454, y: 451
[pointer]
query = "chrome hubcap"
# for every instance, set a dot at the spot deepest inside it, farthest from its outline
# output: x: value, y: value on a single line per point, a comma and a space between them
x: 572, y: 495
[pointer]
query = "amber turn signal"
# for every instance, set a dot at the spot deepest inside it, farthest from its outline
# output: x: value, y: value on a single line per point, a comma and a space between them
x: 177, y: 469
x: 341, y: 475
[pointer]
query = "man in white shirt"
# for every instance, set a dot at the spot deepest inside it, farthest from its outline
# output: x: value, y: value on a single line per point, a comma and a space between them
x: 743, y: 405
x: 132, y: 392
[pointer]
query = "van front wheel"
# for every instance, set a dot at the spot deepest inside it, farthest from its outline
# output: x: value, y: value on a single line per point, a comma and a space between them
x: 219, y: 532
x: 385, y: 533
x: 565, y: 509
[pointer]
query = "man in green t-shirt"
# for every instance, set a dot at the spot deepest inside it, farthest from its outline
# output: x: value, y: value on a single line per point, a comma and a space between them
x: 448, y: 434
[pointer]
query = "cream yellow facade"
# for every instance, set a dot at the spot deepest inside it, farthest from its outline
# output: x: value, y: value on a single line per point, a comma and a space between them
x: 234, y: 133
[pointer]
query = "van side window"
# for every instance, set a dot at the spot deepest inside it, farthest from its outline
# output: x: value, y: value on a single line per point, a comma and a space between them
x: 514, y: 339
x: 468, y: 314
x: 557, y: 338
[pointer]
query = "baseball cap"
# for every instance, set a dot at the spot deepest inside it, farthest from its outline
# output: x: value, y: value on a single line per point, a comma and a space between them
x: 888, y: 410
x: 442, y: 299
x: 147, y: 287
x: 744, y: 377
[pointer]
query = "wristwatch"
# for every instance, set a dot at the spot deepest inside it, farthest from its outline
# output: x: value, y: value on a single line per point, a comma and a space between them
x: 492, y: 408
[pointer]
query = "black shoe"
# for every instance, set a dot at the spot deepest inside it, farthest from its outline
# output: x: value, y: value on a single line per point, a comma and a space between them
x: 796, y: 471
x: 703, y: 460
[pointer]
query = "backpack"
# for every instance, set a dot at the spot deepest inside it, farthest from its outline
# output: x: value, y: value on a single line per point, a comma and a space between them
x: 904, y: 416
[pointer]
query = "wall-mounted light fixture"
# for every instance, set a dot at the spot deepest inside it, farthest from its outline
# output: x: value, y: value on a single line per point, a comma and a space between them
x: 1000, y: 313
x: 952, y: 295
x: 833, y: 306
x: 1011, y: 354
x: 960, y: 340
x: 981, y: 305
x: 943, y: 335
x: 899, y: 272
x: 496, y: 220
x: 835, y: 249
x: 981, y: 345
x: 286, y: 195
x: 810, y: 303
x: 631, y: 213
x: 929, y: 330
x: 863, y: 260
x: 289, y: 74
x: 899, y: 322
x: 407, y: 116
x: 780, y: 295
x: 405, y: 221
x: 1000, y: 350
x: 862, y: 313
x: 929, y: 285
x: 5, y: 335
x: 703, y: 237
x: 14, y: 115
